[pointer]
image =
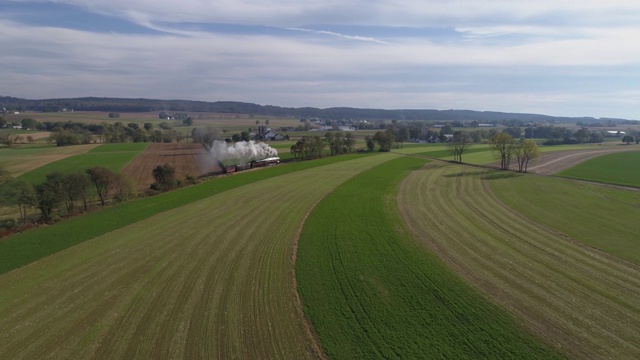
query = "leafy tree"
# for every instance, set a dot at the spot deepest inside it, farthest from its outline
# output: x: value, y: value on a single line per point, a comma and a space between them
x: 76, y: 188
x: 165, y: 176
x: 245, y: 136
x: 514, y: 131
x: 371, y: 145
x: 102, y: 179
x: 525, y: 151
x: 628, y: 139
x: 460, y: 143
x: 148, y: 126
x: 50, y: 194
x: 188, y: 121
x: 582, y: 135
x: 308, y: 148
x: 24, y: 197
x: 16, y: 193
x: 504, y: 145
x: 349, y: 142
x: 29, y: 124
x: 124, y: 187
x: 384, y: 140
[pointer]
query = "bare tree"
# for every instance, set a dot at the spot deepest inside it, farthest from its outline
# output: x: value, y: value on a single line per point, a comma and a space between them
x: 460, y: 143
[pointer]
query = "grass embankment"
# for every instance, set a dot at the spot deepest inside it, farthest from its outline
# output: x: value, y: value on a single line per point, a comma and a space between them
x: 213, y: 279
x: 582, y: 301
x: 620, y: 169
x: 24, y: 248
x: 373, y: 292
x: 111, y: 156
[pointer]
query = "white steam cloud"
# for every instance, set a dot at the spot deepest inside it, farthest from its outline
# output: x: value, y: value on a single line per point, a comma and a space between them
x: 241, y: 152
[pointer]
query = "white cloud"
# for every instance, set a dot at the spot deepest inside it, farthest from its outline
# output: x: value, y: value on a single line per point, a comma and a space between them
x: 513, y: 56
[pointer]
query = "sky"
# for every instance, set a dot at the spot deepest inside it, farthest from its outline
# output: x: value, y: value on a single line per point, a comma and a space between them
x: 553, y: 57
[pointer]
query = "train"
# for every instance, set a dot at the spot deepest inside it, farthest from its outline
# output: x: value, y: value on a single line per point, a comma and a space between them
x: 228, y: 169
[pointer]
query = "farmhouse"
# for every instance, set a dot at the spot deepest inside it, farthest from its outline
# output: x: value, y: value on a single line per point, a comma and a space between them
x: 614, y: 133
x: 273, y: 136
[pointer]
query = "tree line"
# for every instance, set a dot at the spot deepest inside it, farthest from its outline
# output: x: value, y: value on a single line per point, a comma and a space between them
x: 67, y: 194
x: 235, y: 107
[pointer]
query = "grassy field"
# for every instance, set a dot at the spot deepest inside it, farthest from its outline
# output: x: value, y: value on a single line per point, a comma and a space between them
x: 620, y: 168
x: 579, y: 299
x: 27, y: 247
x: 602, y: 217
x: 372, y: 292
x: 112, y: 156
x: 213, y: 279
x: 20, y: 160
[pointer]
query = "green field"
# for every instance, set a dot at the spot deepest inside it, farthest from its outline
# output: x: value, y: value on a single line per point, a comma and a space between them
x: 111, y: 156
x: 619, y: 168
x: 373, y: 292
x: 212, y: 279
x: 602, y: 217
x: 581, y: 300
x: 395, y: 260
x: 24, y: 248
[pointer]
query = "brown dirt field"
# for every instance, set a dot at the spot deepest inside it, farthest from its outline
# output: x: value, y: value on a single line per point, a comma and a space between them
x: 553, y: 162
x: 186, y: 158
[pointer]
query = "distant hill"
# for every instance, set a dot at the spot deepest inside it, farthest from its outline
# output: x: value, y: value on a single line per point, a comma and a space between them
x: 234, y: 107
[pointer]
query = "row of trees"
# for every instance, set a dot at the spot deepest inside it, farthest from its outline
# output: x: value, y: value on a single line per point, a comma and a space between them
x: 507, y: 148
x: 61, y: 195
x: 504, y: 145
x: 64, y: 194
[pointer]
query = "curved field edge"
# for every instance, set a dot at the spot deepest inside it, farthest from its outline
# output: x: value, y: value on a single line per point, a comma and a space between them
x: 371, y: 291
x: 212, y: 279
x: 21, y: 249
x: 618, y: 169
x: 578, y: 299
x: 602, y: 217
x: 111, y: 156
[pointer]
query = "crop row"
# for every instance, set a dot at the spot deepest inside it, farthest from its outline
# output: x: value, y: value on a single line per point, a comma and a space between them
x: 372, y: 291
x: 581, y: 300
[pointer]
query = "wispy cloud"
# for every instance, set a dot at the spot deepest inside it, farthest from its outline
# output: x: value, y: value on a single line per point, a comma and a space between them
x: 338, y: 35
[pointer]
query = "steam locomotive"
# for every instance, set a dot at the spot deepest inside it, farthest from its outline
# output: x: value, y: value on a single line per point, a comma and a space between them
x: 227, y: 169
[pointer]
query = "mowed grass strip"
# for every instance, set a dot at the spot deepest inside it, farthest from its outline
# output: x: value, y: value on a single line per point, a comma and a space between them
x: 21, y: 160
x: 580, y: 300
x: 210, y: 280
x: 111, y: 156
x: 21, y: 249
x: 371, y: 291
x: 620, y: 168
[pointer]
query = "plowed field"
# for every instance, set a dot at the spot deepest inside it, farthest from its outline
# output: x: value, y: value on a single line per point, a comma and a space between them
x: 186, y: 158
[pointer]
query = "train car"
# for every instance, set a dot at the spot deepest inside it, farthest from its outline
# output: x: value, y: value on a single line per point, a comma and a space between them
x: 228, y: 169
x: 241, y: 167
